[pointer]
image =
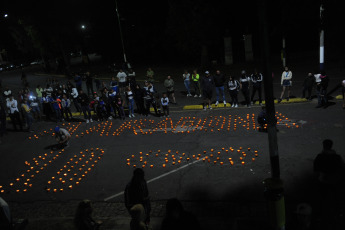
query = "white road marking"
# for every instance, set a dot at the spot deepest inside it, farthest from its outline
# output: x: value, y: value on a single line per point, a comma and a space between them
x: 156, y: 178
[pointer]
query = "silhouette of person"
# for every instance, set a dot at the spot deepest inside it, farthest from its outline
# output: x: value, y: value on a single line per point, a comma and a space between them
x: 136, y: 192
x: 83, y: 217
x: 138, y: 217
x: 177, y: 218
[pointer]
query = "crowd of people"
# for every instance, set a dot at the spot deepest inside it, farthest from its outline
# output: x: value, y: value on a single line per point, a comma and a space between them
x: 108, y: 100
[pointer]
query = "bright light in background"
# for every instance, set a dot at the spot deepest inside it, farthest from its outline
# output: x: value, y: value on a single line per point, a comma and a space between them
x: 83, y: 26
x: 6, y: 15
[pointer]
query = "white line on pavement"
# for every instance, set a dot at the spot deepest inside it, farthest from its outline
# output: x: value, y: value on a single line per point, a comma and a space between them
x: 156, y: 178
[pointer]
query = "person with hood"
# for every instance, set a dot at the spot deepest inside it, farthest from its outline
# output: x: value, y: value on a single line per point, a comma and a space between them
x: 136, y: 192
x: 207, y: 84
x: 219, y: 81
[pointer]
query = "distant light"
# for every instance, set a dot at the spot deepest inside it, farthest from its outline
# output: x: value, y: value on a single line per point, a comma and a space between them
x: 6, y: 15
x: 83, y: 26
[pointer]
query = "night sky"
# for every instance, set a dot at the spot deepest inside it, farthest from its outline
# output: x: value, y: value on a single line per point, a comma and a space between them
x: 165, y: 30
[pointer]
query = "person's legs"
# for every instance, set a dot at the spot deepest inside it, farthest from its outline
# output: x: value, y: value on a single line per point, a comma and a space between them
x: 173, y: 97
x: 309, y: 92
x: 289, y: 90
x: 83, y: 109
x: 13, y: 120
x: 217, y: 94
x: 253, y: 94
x: 282, y: 94
x: 259, y: 91
x: 76, y: 105
x: 222, y: 92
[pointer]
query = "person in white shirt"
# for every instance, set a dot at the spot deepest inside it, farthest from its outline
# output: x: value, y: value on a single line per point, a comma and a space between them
x: 165, y: 104
x: 12, y: 105
x: 186, y: 81
x: 286, y: 83
x: 122, y: 76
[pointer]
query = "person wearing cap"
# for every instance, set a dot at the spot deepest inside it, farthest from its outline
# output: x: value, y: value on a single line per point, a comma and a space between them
x: 245, y: 82
x: 207, y: 89
x: 62, y: 136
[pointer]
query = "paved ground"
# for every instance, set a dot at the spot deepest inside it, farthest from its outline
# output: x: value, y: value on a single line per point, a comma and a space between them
x: 222, y: 194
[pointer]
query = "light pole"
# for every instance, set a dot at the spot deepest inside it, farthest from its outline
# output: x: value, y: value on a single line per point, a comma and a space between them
x: 322, y: 37
x: 123, y: 46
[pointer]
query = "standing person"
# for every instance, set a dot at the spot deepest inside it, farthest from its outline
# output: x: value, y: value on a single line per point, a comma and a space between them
x: 131, y: 78
x: 136, y: 192
x: 245, y: 84
x: 55, y: 102
x: 234, y: 87
x: 308, y: 86
x: 46, y: 106
x: 323, y: 90
x: 83, y: 217
x: 165, y: 105
x: 256, y: 79
x: 186, y: 81
x: 286, y: 83
x: 85, y: 102
x: 139, y: 95
x: 169, y: 85
x: 28, y: 116
x: 66, y: 106
x: 219, y: 81
x: 150, y: 92
x: 130, y: 100
x: 39, y: 91
x: 112, y: 99
x: 119, y: 106
x: 62, y: 136
x: 343, y: 92
x: 196, y: 83
x: 74, y: 94
x: 34, y: 105
x: 48, y: 90
x: 150, y: 74
x: 122, y: 77
x: 207, y: 84
x: 89, y: 83
x: 114, y: 85
x: 98, y: 83
x: 78, y: 81
x: 12, y: 105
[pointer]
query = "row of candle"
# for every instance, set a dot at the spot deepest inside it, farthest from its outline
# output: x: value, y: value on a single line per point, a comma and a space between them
x: 178, y: 158
x: 75, y: 170
x: 36, y: 166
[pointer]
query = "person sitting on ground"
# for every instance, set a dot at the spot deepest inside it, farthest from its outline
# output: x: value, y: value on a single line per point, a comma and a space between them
x: 138, y: 217
x: 83, y: 217
x: 62, y: 136
x: 177, y: 218
x: 328, y: 164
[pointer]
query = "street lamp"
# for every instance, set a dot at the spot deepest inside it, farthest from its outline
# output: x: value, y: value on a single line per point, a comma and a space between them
x: 123, y: 46
x: 83, y: 27
x: 6, y: 15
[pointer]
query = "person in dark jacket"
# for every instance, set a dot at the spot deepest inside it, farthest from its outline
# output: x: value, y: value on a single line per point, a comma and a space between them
x: 89, y: 83
x: 245, y: 82
x: 207, y: 84
x: 308, y: 85
x: 219, y: 81
x: 85, y: 102
x: 323, y: 89
x: 139, y: 95
x: 256, y: 79
x: 136, y: 192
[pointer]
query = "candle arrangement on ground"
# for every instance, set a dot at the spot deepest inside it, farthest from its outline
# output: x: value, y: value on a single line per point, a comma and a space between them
x: 220, y: 157
x: 73, y: 171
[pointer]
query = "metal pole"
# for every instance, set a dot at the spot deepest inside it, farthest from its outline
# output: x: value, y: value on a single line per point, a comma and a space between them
x: 283, y: 53
x: 123, y: 46
x: 322, y: 37
x: 274, y: 190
